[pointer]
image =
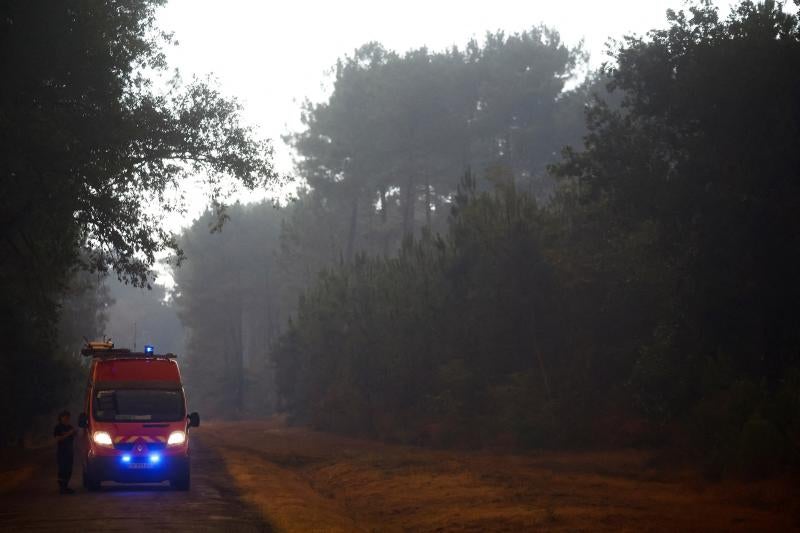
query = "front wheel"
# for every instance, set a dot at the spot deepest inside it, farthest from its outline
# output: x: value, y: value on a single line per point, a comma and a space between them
x: 181, y: 481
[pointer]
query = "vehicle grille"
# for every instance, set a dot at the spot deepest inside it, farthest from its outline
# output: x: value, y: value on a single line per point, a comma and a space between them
x: 151, y: 446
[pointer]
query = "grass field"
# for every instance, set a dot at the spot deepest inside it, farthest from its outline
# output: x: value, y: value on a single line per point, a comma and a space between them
x: 302, y: 480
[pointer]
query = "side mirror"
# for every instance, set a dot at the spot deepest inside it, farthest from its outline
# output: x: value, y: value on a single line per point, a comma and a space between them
x: 82, y: 423
x: 194, y: 420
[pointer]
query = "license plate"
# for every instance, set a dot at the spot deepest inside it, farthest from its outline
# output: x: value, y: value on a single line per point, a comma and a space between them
x: 140, y: 465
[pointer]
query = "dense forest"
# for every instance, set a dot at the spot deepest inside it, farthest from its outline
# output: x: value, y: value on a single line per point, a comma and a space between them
x: 381, y: 162
x: 486, y: 248
x: 483, y: 256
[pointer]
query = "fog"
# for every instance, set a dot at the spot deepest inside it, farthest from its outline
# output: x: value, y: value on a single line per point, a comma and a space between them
x: 274, y: 56
x: 561, y: 233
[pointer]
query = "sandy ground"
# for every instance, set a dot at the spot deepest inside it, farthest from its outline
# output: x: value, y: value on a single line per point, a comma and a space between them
x: 261, y: 476
x: 302, y: 480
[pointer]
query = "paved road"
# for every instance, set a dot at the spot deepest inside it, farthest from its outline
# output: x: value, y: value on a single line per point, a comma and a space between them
x: 211, y: 505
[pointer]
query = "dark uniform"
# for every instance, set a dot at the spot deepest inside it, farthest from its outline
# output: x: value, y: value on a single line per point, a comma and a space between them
x: 64, y: 454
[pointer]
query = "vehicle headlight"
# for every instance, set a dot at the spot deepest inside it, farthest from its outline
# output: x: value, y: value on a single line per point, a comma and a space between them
x: 176, y: 438
x: 102, y: 438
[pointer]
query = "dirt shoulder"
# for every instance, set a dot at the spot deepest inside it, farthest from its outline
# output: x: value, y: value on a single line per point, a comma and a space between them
x: 303, y: 480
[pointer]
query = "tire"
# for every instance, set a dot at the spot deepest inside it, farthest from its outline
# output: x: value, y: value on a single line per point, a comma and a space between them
x: 182, y: 481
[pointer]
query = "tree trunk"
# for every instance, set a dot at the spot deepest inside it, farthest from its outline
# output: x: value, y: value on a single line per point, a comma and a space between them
x: 382, y: 192
x: 351, y: 234
x: 408, y: 207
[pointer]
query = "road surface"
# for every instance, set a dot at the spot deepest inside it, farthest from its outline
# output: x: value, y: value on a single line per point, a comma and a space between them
x: 213, y: 504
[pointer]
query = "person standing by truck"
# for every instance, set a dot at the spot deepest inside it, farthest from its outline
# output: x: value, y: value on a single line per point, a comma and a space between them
x: 65, y: 438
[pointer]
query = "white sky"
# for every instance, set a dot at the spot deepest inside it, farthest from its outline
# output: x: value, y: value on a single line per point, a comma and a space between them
x: 271, y: 55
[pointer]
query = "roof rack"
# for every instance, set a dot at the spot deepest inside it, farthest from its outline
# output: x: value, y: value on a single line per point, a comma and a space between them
x: 106, y: 350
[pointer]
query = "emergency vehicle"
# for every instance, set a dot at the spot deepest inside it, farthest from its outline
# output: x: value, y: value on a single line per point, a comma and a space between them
x: 136, y: 427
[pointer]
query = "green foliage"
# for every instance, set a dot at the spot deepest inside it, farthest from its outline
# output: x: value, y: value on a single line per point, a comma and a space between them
x: 91, y: 156
x: 46, y: 369
x: 658, y: 281
x: 385, y: 151
x: 376, y: 347
x: 230, y: 297
x: 650, y: 293
x: 394, y: 136
x: 693, y: 180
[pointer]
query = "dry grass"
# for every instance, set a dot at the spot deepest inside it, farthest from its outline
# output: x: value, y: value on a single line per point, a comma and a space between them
x: 18, y: 465
x: 303, y: 480
x: 10, y: 479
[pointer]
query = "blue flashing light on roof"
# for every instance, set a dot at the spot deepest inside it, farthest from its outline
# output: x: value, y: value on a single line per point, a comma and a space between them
x: 148, y: 348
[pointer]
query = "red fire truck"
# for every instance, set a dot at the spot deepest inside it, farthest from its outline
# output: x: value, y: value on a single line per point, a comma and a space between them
x: 135, y: 419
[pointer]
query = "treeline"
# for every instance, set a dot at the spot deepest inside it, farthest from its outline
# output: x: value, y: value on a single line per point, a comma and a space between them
x: 231, y: 297
x: 382, y: 156
x: 454, y: 340
x: 658, y: 284
x: 91, y: 155
x: 381, y: 160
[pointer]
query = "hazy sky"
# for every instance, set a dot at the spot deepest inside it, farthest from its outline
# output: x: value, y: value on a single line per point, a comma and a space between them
x: 273, y: 55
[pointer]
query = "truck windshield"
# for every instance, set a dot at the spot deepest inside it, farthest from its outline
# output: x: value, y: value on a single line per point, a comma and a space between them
x: 130, y: 405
